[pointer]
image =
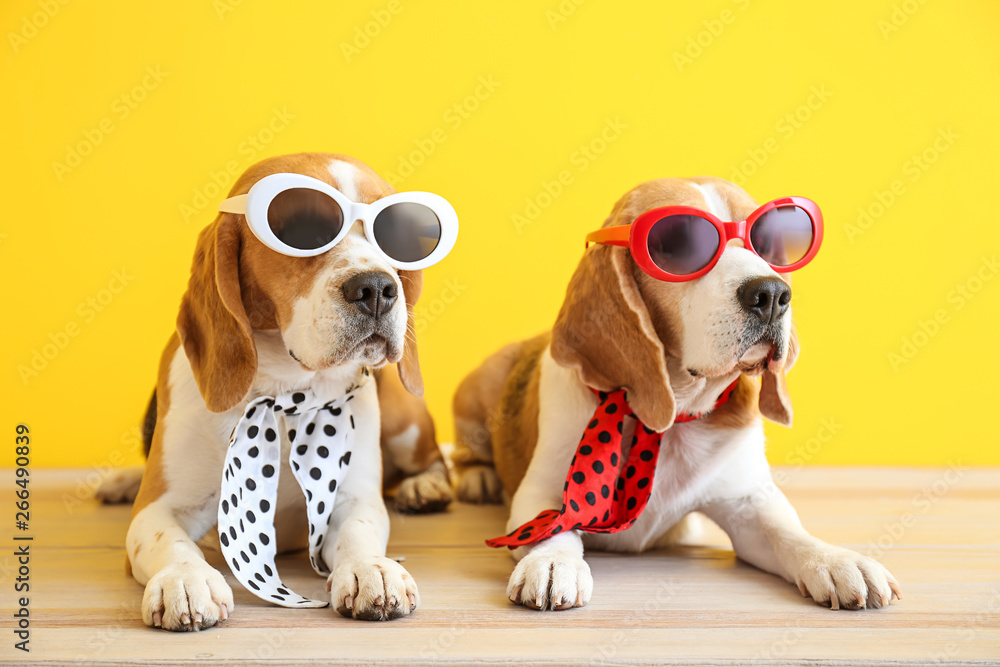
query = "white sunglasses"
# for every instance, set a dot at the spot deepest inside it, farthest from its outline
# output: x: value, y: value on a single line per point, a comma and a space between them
x: 301, y: 216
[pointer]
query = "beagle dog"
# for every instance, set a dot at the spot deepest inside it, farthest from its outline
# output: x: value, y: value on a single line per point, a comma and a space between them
x: 675, y: 347
x: 255, y: 323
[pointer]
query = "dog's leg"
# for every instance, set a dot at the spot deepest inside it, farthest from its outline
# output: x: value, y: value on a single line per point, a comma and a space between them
x: 476, y: 408
x: 426, y: 491
x: 478, y: 482
x: 183, y: 592
x: 410, y: 448
x: 766, y: 532
x: 476, y: 397
x: 552, y: 574
x: 177, y: 504
x: 120, y: 486
x: 364, y: 583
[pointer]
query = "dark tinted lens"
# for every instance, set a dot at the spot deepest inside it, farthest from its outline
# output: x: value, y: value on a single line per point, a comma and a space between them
x: 682, y: 244
x: 407, y: 232
x: 305, y: 219
x: 783, y: 235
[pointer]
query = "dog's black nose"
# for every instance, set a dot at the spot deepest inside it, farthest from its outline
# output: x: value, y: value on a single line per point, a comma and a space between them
x: 371, y: 292
x: 765, y: 298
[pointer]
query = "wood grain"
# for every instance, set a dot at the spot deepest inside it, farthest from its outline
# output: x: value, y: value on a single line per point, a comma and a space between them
x: 938, y: 533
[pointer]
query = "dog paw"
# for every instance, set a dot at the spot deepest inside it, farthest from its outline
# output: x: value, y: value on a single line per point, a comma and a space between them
x: 373, y: 589
x: 430, y: 491
x: 550, y: 581
x: 186, y: 596
x: 120, y: 486
x: 843, y: 579
x: 479, y: 484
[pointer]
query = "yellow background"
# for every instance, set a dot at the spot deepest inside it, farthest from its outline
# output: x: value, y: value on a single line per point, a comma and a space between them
x: 693, y: 88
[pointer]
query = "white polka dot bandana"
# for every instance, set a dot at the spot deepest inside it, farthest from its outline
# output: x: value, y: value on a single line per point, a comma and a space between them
x: 321, y: 437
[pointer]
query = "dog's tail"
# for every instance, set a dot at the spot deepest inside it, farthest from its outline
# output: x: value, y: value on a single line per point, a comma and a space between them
x: 122, y: 484
x: 148, y: 424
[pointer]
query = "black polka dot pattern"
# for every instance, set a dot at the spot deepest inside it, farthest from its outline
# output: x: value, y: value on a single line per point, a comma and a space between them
x: 319, y: 460
x: 588, y: 503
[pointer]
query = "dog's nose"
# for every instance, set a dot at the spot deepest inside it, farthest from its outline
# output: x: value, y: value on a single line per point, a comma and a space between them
x: 765, y: 298
x: 371, y: 292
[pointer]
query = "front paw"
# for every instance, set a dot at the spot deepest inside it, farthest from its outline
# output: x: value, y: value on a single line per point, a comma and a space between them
x: 430, y: 491
x: 186, y: 596
x: 120, y: 486
x: 843, y: 579
x: 373, y: 588
x: 551, y: 581
x: 479, y: 484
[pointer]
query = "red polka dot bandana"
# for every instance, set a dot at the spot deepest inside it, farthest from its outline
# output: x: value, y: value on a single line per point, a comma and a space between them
x: 596, y: 498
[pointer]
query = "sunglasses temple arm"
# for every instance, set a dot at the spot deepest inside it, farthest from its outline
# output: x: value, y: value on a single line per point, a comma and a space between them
x: 235, y: 204
x: 617, y: 235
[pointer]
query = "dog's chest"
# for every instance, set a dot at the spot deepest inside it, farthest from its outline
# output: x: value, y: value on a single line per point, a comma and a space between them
x: 694, y: 465
x: 278, y: 374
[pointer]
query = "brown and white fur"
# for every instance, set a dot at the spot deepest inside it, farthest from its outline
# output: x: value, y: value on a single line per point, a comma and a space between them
x: 255, y: 322
x: 674, y: 347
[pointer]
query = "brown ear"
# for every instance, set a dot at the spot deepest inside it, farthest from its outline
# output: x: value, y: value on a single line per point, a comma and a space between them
x: 409, y: 365
x: 775, y: 403
x: 212, y: 323
x: 604, y: 331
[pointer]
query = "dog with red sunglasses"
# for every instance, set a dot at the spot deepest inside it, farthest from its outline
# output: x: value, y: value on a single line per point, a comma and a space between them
x: 643, y: 404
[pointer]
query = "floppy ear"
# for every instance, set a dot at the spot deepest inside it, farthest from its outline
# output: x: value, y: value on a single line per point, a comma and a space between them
x: 213, y: 324
x: 409, y: 365
x: 604, y: 331
x: 775, y: 403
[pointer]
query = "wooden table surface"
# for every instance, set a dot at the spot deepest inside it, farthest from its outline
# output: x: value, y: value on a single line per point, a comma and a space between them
x: 937, y: 530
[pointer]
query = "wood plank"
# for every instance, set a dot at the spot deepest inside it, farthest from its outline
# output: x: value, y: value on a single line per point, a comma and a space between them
x: 694, y: 604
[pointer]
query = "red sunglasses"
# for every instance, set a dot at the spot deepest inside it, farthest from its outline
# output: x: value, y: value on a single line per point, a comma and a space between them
x: 679, y: 243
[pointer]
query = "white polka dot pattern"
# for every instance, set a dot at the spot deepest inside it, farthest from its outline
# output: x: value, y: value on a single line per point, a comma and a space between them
x: 321, y: 437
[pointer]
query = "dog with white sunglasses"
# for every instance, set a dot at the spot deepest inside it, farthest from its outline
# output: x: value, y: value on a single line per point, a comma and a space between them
x: 669, y: 319
x: 304, y: 282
